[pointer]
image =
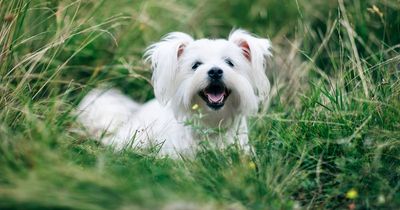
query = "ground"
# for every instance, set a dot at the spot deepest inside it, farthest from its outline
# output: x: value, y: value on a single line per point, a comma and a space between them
x: 328, y: 139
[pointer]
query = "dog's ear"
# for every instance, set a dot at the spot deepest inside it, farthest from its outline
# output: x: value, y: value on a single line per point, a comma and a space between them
x: 256, y: 51
x: 164, y: 57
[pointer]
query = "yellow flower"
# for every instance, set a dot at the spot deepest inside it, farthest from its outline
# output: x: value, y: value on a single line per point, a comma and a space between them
x: 252, y: 165
x: 352, y: 194
x: 195, y: 106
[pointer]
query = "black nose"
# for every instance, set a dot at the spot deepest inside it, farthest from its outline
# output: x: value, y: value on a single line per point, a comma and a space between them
x: 215, y: 73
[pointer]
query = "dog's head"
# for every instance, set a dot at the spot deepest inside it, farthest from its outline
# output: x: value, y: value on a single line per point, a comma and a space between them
x: 221, y: 76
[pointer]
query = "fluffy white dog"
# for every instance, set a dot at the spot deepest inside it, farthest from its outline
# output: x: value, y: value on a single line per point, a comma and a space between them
x: 200, y: 86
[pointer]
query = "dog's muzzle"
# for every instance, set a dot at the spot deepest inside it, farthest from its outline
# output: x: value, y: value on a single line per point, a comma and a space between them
x: 215, y: 94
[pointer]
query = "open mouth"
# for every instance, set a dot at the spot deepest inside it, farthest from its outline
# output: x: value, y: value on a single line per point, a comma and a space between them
x: 215, y: 95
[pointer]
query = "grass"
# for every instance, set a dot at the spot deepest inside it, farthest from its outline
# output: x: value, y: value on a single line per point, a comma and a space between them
x: 329, y: 140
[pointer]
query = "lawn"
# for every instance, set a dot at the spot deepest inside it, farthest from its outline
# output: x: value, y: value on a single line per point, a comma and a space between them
x: 329, y: 138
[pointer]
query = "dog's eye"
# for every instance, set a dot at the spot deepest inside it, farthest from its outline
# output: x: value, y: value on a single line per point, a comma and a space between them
x: 229, y: 62
x: 196, y: 65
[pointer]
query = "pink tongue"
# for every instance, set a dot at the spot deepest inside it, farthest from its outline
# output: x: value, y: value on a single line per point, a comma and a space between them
x: 215, y: 98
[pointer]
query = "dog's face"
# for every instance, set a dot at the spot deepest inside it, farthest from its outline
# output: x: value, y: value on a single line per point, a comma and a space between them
x: 220, y: 76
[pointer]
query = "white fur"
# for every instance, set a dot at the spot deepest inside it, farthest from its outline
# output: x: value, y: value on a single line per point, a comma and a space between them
x: 119, y: 121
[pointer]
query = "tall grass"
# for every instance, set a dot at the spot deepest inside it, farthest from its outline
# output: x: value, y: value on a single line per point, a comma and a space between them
x: 329, y: 140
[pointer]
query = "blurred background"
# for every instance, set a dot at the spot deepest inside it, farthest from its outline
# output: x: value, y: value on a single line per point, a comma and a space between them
x: 330, y: 138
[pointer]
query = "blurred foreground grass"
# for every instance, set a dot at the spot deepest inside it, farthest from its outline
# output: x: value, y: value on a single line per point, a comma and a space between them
x: 330, y: 139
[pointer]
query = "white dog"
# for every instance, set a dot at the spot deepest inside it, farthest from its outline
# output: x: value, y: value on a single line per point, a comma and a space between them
x: 215, y: 82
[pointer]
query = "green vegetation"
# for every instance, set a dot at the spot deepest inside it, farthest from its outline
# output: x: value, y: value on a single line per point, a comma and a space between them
x: 329, y: 140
